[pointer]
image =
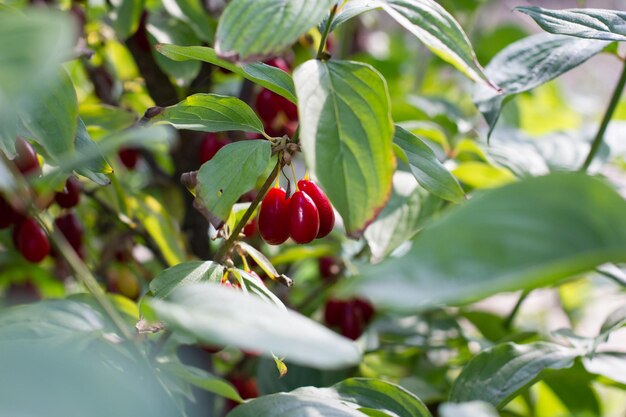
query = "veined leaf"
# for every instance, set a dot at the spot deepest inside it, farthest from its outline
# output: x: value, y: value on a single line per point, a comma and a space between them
x: 184, y: 274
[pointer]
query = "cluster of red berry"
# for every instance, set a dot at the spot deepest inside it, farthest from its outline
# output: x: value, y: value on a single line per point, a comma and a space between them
x: 279, y: 115
x: 351, y: 316
x: 305, y: 216
x: 29, y: 237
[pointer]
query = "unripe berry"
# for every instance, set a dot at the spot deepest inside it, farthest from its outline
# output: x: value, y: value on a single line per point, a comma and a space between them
x: 274, y: 217
x: 70, y: 196
x: 31, y: 240
x: 324, y: 208
x: 304, y: 221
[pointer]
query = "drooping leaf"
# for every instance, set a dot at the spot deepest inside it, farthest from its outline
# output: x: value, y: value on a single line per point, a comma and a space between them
x: 346, y: 133
x: 243, y: 28
x: 218, y: 188
x: 211, y: 113
x: 267, y: 76
x: 441, y: 33
x: 223, y: 316
x: 607, y: 25
x: 527, y: 64
x: 521, y: 236
x: 184, y: 274
x: 256, y: 286
x: 498, y: 374
x: 429, y: 172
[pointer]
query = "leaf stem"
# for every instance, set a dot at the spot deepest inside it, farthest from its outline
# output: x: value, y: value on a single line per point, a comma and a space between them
x: 320, y: 50
x: 595, y: 146
x: 223, y: 252
x: 511, y: 317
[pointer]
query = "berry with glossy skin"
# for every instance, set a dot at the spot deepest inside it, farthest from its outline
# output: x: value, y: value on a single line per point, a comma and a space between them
x: 209, y: 147
x: 251, y: 228
x: 26, y: 160
x: 274, y: 217
x: 304, y: 220
x: 8, y: 215
x: 364, y: 309
x: 71, y: 229
x: 70, y: 196
x: 269, y: 105
x: 31, y: 240
x: 324, y: 208
x: 129, y: 157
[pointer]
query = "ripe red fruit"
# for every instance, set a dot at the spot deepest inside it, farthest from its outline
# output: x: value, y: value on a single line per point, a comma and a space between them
x: 363, y: 309
x: 8, y: 215
x: 250, y: 229
x: 333, y: 312
x: 351, y: 326
x: 274, y: 217
x: 31, y: 240
x: 209, y: 147
x: 26, y: 160
x: 246, y: 386
x: 129, y: 157
x: 70, y: 196
x: 304, y: 220
x: 329, y: 268
x: 71, y: 229
x: 269, y: 105
x: 279, y: 63
x: 324, y: 208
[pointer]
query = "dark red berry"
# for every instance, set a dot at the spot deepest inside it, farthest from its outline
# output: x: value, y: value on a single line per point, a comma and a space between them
x: 8, y: 215
x: 274, y: 217
x: 350, y: 325
x: 324, y: 208
x: 70, y: 196
x: 31, y: 240
x: 363, y: 309
x: 251, y: 228
x: 269, y: 105
x: 279, y: 63
x: 71, y: 229
x: 333, y: 312
x: 26, y: 160
x: 129, y: 157
x: 209, y: 147
x: 304, y: 221
x: 246, y: 386
x: 329, y: 267
x: 22, y: 293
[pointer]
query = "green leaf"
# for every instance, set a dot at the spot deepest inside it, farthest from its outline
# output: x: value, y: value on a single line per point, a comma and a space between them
x: 202, y: 379
x: 469, y: 409
x: 32, y: 46
x: 440, y: 32
x: 52, y: 117
x: 218, y: 189
x: 351, y: 9
x: 125, y: 17
x: 607, y: 25
x: 95, y: 167
x: 498, y: 374
x: 267, y: 76
x: 184, y: 274
x: 346, y: 134
x: 223, y: 316
x: 427, y: 169
x: 611, y: 365
x: 521, y: 236
x: 192, y: 12
x: 211, y: 113
x: 574, y: 389
x: 527, y: 64
x: 264, y: 27
x: 166, y: 29
x: 260, y: 259
x: 256, y: 286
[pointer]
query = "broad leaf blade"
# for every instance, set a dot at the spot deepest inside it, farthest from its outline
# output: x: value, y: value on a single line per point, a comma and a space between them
x: 211, y: 113
x: 346, y: 133
x: 267, y: 76
x: 263, y: 27
x: 497, y: 374
x: 521, y: 236
x: 607, y: 25
x: 218, y: 188
x: 441, y: 33
x: 223, y: 316
x: 202, y: 379
x: 351, y: 9
x: 184, y: 274
x: 427, y: 169
x: 125, y: 17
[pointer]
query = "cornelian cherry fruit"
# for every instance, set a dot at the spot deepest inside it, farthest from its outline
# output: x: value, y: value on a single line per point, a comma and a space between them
x: 70, y: 196
x: 26, y: 160
x: 273, y: 217
x: 31, y: 240
x: 324, y: 208
x: 304, y: 221
x: 209, y: 147
x: 328, y: 266
x: 269, y: 105
x: 129, y: 157
x: 279, y: 63
x: 71, y: 229
x: 8, y: 215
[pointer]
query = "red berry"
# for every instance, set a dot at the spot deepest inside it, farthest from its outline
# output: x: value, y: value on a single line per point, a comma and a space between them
x: 250, y: 229
x: 8, y: 215
x: 304, y: 221
x: 279, y: 63
x: 269, y: 105
x: 26, y: 160
x: 129, y: 157
x: 210, y: 145
x: 364, y: 309
x: 274, y: 217
x: 31, y: 240
x: 71, y: 229
x: 324, y: 208
x: 350, y: 325
x: 329, y: 268
x: 70, y: 196
x: 245, y: 385
x: 333, y: 312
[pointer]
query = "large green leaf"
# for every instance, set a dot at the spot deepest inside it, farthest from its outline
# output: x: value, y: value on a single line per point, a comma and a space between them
x: 441, y: 33
x: 529, y: 63
x: 192, y: 12
x: 521, y: 236
x: 611, y: 365
x: 498, y: 374
x: 202, y: 379
x: 125, y: 17
x: 224, y: 316
x: 267, y: 76
x: 424, y: 164
x: 346, y: 134
x: 469, y: 409
x: 607, y: 25
x: 263, y: 27
x: 211, y: 113
x: 184, y: 274
x: 218, y: 188
x: 32, y: 45
x: 52, y: 117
